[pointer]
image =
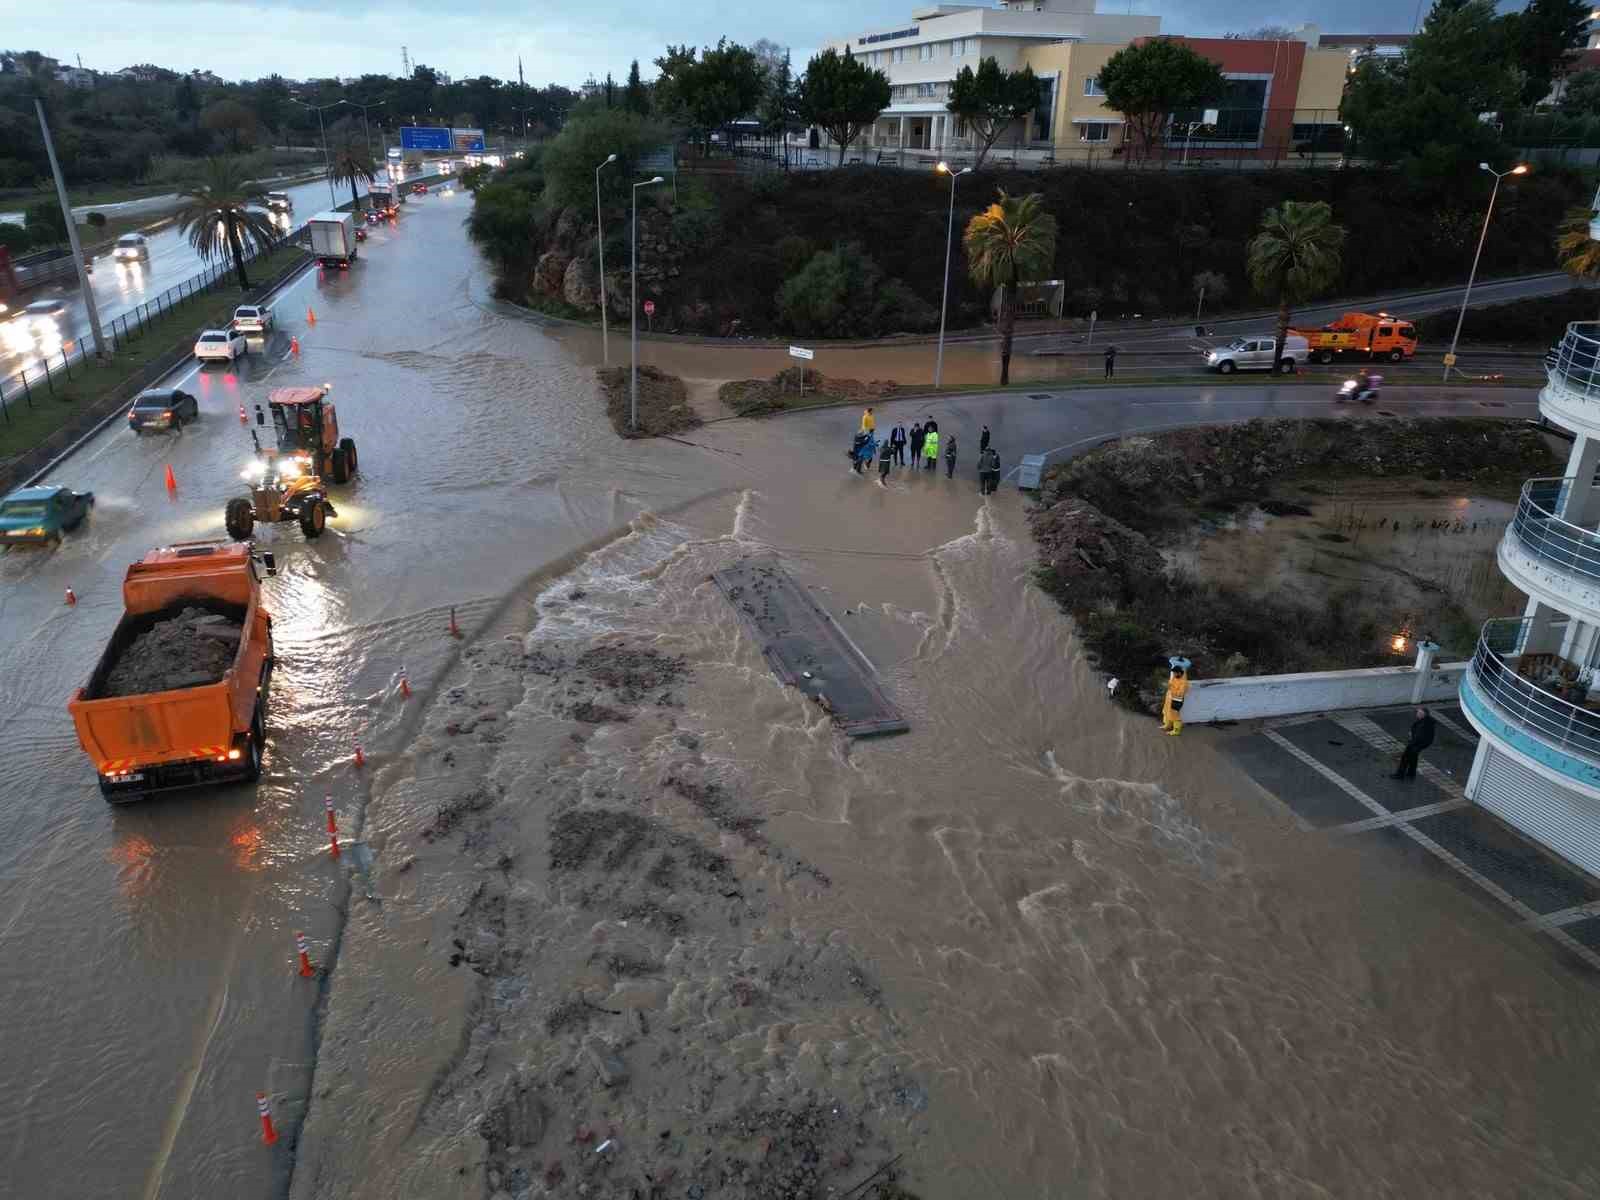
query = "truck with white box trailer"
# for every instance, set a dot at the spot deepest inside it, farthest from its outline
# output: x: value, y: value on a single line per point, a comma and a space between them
x: 333, y: 238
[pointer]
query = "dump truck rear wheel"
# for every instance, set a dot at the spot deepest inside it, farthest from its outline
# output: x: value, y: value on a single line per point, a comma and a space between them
x: 239, y: 518
x: 312, y: 519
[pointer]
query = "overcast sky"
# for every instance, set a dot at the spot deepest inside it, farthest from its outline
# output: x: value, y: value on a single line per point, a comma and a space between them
x: 560, y: 43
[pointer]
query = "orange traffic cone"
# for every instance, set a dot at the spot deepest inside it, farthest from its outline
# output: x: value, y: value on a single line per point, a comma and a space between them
x: 306, y: 969
x: 455, y: 630
x: 361, y: 759
x: 72, y: 597
x: 269, y: 1135
x: 405, y: 688
x: 311, y: 315
x: 172, y: 480
x: 327, y: 804
x: 294, y: 346
x: 242, y: 418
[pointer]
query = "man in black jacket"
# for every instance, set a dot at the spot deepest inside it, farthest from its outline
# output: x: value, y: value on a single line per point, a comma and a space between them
x: 1421, y: 738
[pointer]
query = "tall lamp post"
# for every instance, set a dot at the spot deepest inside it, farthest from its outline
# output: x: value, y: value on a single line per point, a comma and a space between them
x: 1519, y: 169
x: 90, y: 307
x: 600, y: 241
x: 327, y: 164
x: 365, y: 129
x: 949, y: 241
x: 633, y: 315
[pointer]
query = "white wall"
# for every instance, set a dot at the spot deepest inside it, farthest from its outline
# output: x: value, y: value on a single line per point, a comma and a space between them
x: 1254, y: 696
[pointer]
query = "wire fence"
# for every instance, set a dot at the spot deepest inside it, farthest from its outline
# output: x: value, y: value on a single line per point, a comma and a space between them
x: 54, y: 369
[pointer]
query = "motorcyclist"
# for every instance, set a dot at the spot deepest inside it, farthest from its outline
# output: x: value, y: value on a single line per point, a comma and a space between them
x: 1364, y: 384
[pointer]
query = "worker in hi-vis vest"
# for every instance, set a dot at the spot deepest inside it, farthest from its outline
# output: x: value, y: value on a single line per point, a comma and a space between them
x: 1172, y: 705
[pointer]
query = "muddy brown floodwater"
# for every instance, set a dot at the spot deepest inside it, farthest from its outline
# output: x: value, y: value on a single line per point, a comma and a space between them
x: 1030, y: 945
x: 617, y: 912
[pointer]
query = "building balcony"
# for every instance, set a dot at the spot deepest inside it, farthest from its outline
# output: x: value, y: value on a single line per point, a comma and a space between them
x: 1571, y: 398
x: 1527, y: 699
x: 1549, y: 558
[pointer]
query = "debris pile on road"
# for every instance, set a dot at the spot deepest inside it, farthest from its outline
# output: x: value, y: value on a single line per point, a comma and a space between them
x: 191, y: 649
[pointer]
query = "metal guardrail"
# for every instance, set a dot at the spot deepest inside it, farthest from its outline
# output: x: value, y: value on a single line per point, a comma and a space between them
x: 56, y: 368
x: 1575, y: 363
x: 1546, y: 535
x: 1560, y: 723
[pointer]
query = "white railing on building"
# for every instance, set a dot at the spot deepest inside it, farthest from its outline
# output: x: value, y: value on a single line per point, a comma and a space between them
x: 1575, y: 365
x: 1547, y: 536
x: 1494, y: 674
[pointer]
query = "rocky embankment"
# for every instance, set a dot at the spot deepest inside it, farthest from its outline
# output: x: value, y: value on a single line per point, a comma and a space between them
x: 1103, y: 520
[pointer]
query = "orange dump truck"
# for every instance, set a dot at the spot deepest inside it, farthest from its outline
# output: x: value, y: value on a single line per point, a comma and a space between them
x: 1363, y: 335
x: 177, y: 699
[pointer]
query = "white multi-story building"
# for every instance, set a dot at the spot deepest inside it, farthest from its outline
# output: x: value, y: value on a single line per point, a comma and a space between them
x: 922, y: 56
x: 1528, y: 690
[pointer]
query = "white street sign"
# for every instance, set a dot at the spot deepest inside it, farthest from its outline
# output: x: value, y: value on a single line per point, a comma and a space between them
x: 801, y: 352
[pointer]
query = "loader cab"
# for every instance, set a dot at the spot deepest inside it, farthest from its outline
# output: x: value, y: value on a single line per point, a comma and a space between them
x: 305, y: 424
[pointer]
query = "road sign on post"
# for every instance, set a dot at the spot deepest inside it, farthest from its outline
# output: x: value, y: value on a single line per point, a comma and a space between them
x: 649, y: 314
x: 805, y: 356
x: 466, y: 141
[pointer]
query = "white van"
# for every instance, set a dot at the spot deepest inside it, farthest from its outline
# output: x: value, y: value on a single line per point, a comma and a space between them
x: 131, y: 247
x: 1260, y: 354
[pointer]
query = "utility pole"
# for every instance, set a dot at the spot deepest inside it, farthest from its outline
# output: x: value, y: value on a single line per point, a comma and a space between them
x: 72, y: 233
x: 405, y: 62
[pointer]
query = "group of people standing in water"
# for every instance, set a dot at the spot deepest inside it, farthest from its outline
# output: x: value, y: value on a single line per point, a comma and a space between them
x: 920, y: 449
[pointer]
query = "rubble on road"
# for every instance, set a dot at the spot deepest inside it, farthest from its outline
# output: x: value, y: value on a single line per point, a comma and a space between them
x: 191, y: 649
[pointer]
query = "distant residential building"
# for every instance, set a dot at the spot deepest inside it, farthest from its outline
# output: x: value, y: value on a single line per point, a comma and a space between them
x: 76, y: 77
x: 922, y: 56
x: 146, y: 73
x: 1282, y: 99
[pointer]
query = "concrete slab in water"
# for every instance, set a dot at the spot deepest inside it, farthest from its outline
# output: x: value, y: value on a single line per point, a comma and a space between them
x: 805, y: 647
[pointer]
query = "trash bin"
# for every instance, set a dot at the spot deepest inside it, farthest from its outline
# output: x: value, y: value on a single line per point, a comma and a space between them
x: 1031, y: 471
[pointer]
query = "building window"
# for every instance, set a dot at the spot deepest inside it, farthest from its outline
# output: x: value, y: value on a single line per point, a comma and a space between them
x: 1241, y: 113
x: 1091, y: 86
x: 900, y: 55
x: 1324, y: 138
x: 1044, y: 111
x: 1094, y: 131
x: 958, y: 48
x: 925, y: 52
x: 961, y: 127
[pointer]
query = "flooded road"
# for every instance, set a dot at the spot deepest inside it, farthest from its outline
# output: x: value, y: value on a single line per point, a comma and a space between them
x: 1043, y: 944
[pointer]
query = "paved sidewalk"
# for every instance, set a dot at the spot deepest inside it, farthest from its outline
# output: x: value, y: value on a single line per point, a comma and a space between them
x: 1332, y: 771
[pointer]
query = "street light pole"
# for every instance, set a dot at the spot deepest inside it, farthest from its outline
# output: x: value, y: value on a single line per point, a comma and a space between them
x: 600, y: 241
x: 327, y: 164
x: 89, y: 305
x: 949, y: 240
x: 1519, y: 169
x: 633, y: 315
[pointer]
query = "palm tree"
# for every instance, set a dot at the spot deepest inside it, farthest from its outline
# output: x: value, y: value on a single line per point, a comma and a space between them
x: 217, y: 216
x: 1295, y: 255
x: 1011, y: 241
x: 350, y: 163
x: 1579, y: 253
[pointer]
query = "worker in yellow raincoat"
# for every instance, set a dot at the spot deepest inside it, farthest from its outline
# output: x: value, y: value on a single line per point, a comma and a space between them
x: 1172, y: 705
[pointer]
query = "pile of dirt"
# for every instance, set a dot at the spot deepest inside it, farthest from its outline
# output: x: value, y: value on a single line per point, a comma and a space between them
x: 663, y: 402
x: 191, y: 649
x: 631, y: 672
x: 1104, y: 521
x: 758, y: 397
x: 1158, y: 483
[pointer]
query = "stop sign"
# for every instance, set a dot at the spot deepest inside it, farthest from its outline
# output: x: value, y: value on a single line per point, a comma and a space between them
x: 649, y: 308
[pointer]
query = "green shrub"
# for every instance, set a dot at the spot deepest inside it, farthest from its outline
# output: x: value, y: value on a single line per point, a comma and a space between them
x: 571, y: 157
x: 842, y: 293
x: 44, y: 223
x: 793, y: 252
x: 696, y: 230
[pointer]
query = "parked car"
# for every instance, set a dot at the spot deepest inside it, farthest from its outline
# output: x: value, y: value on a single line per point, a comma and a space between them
x: 46, y: 310
x: 162, y: 410
x: 41, y: 514
x: 131, y: 247
x: 227, y: 344
x: 1260, y: 354
x: 253, y: 318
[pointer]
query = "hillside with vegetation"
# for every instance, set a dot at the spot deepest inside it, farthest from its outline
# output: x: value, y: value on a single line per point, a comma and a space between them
x: 860, y: 251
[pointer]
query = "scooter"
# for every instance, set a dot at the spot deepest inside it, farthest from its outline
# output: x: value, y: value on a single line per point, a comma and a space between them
x: 1352, y: 390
